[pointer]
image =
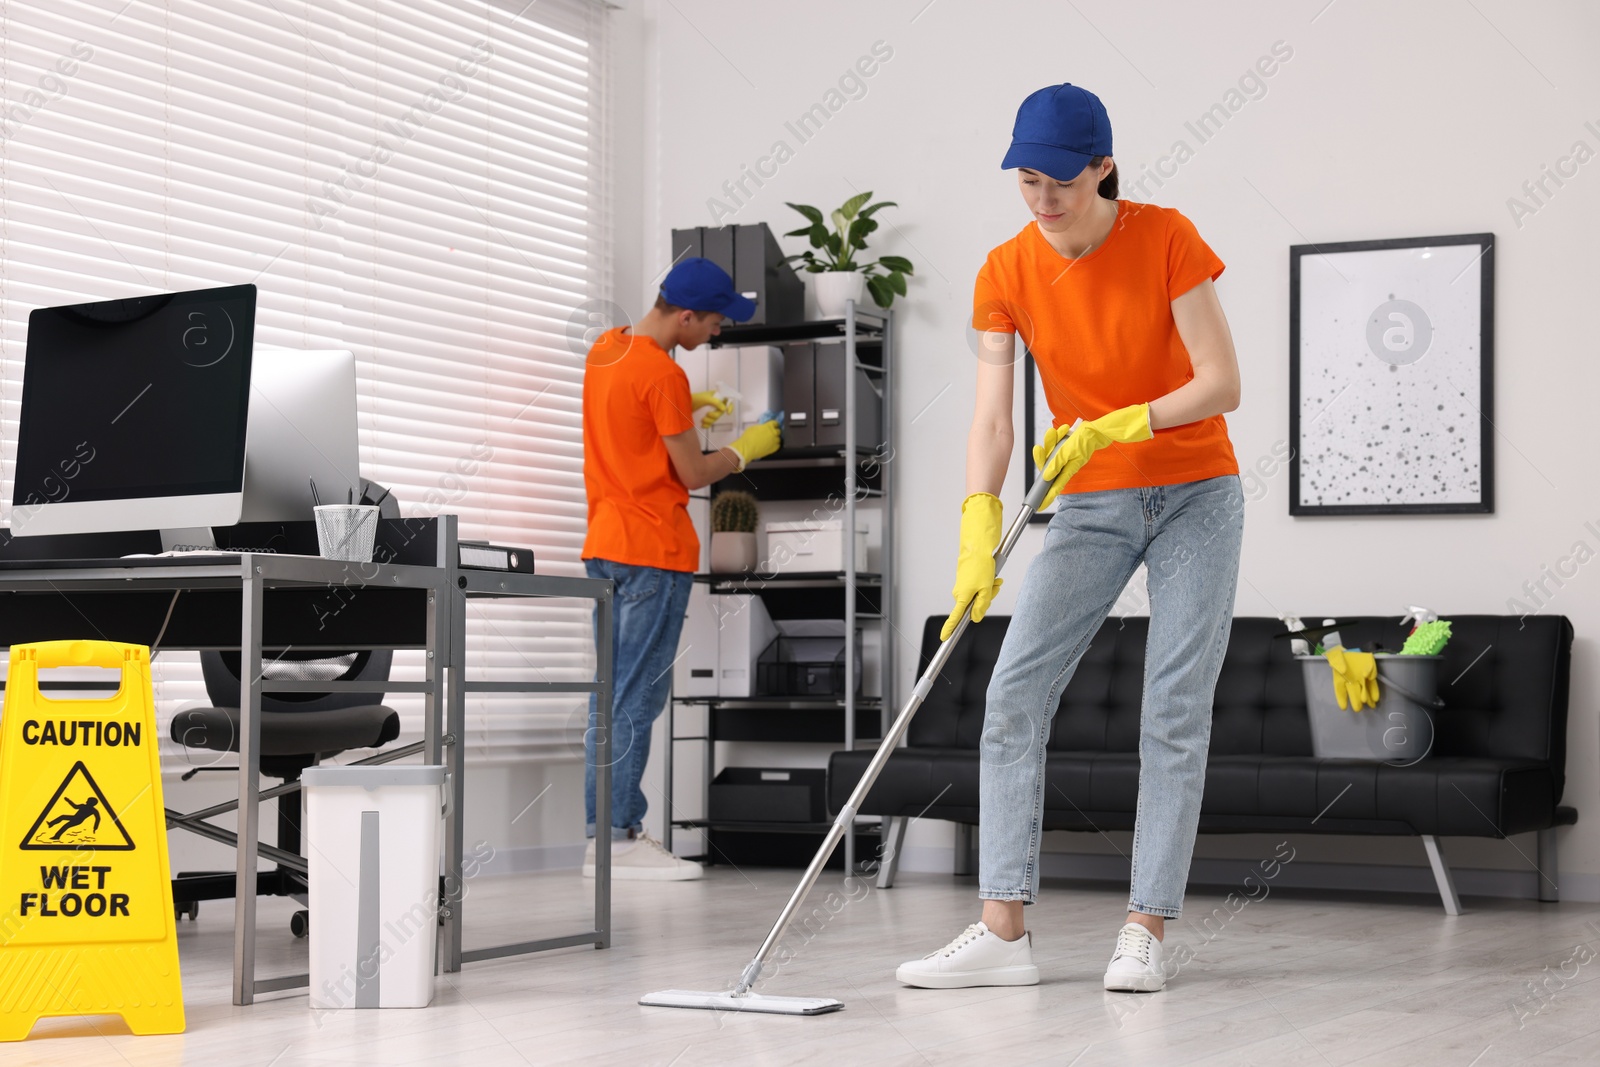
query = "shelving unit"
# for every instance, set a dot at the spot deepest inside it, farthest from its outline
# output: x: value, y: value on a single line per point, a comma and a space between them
x: 858, y: 471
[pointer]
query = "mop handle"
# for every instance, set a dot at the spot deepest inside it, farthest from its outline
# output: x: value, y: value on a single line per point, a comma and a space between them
x: 846, y: 817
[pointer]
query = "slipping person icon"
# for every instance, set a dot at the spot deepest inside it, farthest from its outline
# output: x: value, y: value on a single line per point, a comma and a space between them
x: 88, y: 809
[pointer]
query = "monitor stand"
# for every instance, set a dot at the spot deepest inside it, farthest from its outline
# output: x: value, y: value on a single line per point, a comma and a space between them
x: 187, y: 537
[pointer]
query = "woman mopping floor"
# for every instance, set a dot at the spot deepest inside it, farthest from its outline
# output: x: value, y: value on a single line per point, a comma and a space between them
x: 1114, y: 300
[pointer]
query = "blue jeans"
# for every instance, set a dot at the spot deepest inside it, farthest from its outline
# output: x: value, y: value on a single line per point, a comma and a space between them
x: 1188, y: 535
x: 648, y: 610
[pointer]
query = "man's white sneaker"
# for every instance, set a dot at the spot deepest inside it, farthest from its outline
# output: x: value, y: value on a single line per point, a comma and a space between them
x: 1136, y: 964
x: 644, y: 859
x: 977, y: 957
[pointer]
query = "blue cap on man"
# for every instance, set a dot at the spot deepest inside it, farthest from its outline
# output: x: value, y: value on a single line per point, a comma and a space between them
x: 700, y: 285
x: 1058, y: 130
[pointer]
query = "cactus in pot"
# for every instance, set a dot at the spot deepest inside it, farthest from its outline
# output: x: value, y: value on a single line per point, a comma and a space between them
x: 733, y: 532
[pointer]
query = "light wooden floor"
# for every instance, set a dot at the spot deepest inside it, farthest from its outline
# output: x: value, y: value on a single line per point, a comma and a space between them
x: 1295, y: 978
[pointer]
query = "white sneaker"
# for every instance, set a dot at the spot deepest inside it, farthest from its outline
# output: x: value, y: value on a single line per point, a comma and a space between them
x: 644, y: 859
x: 1136, y: 964
x: 977, y: 957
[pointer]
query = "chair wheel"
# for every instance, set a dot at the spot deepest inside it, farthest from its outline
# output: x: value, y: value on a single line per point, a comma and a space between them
x: 190, y: 911
x: 300, y: 923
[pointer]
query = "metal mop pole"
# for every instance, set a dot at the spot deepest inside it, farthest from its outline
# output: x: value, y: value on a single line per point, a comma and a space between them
x: 841, y: 824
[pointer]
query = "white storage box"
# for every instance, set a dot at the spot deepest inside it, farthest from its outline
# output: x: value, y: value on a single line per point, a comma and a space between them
x: 744, y: 630
x: 373, y: 838
x: 756, y: 373
x: 811, y: 545
x: 694, y: 672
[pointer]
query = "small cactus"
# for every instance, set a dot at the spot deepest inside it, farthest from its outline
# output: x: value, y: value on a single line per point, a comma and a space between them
x: 734, y: 511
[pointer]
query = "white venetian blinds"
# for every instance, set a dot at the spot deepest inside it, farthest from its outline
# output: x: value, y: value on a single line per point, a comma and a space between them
x: 421, y: 181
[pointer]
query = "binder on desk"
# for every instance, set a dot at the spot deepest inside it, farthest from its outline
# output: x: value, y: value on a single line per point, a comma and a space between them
x: 482, y: 556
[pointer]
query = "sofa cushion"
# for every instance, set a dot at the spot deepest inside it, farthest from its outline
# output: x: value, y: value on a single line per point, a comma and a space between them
x: 1503, y: 681
x: 1098, y: 790
x: 1495, y: 768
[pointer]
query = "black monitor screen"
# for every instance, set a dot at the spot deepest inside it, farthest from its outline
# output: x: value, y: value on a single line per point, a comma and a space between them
x: 136, y: 398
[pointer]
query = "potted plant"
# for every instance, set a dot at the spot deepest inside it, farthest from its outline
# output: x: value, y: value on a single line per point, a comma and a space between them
x: 840, y: 277
x: 733, y: 532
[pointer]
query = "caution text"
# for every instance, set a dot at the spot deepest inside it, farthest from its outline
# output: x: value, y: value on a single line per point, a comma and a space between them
x: 92, y: 733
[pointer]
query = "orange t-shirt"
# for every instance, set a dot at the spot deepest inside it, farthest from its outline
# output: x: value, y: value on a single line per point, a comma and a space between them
x: 1100, y: 328
x: 633, y: 396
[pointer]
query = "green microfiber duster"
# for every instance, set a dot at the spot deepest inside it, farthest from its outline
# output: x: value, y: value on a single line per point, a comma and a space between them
x: 1428, y: 639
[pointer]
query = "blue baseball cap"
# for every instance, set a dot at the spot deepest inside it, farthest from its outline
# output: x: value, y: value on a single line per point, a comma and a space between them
x: 1058, y: 130
x: 700, y: 285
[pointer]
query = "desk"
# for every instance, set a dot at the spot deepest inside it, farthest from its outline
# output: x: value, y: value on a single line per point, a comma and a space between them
x: 189, y: 602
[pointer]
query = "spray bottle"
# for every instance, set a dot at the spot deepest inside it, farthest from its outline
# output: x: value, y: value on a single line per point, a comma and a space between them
x: 1297, y: 645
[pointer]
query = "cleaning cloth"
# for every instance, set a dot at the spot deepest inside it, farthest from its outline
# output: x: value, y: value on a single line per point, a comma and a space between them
x: 1427, y: 639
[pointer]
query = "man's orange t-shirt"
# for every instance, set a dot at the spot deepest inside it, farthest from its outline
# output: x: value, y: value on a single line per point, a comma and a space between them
x: 1100, y: 328
x: 633, y: 396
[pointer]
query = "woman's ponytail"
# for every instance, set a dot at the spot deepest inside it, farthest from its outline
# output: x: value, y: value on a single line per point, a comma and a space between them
x: 1108, y: 184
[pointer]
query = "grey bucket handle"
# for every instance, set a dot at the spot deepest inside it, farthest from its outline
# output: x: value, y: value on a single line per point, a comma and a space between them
x: 1436, y: 702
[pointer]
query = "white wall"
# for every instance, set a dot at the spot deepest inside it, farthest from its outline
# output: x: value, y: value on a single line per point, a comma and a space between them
x: 1387, y: 121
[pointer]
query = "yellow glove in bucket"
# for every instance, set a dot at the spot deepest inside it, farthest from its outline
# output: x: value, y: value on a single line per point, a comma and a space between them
x: 975, y: 580
x: 1355, y: 678
x: 1125, y: 425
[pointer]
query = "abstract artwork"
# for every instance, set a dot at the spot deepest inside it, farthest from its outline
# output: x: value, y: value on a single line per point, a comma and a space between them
x: 1391, y: 347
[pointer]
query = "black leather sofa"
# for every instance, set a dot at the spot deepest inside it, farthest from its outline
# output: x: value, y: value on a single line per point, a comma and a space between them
x: 1497, y: 766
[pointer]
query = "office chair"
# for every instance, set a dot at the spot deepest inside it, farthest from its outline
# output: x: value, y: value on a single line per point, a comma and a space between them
x: 298, y: 730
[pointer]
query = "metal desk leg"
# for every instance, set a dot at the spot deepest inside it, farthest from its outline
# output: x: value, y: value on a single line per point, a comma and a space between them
x: 433, y: 704
x: 244, y: 897
x: 602, y: 776
x: 455, y: 706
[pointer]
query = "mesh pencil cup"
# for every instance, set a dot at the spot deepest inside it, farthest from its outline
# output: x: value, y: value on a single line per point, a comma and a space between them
x: 347, y: 531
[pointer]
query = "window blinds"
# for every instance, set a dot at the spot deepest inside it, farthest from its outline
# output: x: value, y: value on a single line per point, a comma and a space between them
x: 422, y: 182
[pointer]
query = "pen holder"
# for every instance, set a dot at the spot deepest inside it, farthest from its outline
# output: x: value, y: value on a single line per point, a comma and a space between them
x: 346, y: 531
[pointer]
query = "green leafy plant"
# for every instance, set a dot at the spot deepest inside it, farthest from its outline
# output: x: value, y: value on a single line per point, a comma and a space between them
x: 852, y: 222
x: 734, y: 511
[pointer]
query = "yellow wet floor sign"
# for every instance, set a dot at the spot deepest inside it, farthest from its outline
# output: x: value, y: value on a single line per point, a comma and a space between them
x: 86, y: 924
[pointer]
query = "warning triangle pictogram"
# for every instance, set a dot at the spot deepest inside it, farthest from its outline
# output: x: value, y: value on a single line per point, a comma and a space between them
x: 69, y: 825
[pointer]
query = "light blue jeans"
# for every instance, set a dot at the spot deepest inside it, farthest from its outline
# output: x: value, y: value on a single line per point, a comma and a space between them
x: 1188, y: 535
x: 647, y: 619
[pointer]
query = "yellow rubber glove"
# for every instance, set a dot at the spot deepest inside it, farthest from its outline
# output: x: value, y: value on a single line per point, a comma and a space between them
x: 709, y: 399
x: 762, y: 439
x: 1355, y: 678
x: 1126, y: 425
x: 975, y: 580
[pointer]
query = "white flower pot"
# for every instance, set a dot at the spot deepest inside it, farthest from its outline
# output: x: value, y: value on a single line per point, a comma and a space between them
x: 733, y: 553
x: 835, y: 288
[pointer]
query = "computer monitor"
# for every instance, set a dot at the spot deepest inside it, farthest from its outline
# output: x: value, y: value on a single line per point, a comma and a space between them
x: 302, y: 429
x: 134, y: 413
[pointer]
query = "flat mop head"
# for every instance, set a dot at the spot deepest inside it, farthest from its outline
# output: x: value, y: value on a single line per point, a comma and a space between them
x: 752, y: 1002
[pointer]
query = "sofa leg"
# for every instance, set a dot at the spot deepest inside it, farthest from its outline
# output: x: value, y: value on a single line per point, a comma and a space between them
x: 894, y: 839
x: 1549, y: 866
x: 963, y: 862
x: 1441, y: 875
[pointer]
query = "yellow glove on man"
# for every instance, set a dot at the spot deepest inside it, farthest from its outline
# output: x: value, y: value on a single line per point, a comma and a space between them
x: 1355, y: 678
x: 975, y: 580
x: 709, y: 399
x: 762, y: 439
x: 1126, y: 425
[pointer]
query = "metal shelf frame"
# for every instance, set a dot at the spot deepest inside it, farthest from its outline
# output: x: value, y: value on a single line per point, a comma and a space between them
x: 859, y: 326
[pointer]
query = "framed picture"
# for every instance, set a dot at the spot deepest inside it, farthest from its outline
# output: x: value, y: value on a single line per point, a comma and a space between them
x: 1036, y: 418
x: 1391, y: 376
